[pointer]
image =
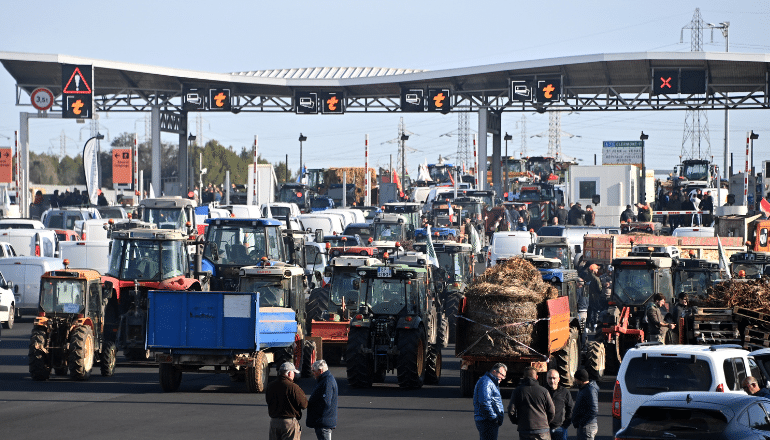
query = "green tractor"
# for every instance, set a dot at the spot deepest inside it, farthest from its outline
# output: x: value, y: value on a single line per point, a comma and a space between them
x: 396, y: 327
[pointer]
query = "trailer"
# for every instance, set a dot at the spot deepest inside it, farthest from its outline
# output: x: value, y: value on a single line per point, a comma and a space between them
x: 602, y: 249
x: 228, y: 331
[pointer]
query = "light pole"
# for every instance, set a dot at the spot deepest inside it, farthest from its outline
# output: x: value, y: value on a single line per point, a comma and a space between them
x: 643, y: 138
x: 302, y: 138
x: 404, y: 138
x: 723, y: 27
x: 507, y: 138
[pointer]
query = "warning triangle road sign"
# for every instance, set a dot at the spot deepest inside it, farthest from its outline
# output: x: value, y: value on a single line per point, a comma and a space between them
x: 77, y: 84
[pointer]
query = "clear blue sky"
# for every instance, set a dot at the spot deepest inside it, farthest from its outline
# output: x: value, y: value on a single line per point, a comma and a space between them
x: 230, y: 36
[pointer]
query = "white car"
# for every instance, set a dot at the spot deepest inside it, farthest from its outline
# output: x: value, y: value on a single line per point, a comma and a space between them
x: 7, y: 303
x: 651, y: 368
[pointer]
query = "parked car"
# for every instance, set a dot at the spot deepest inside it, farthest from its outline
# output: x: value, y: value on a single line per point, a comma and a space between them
x: 651, y: 368
x: 700, y: 415
x: 116, y: 212
x: 64, y: 218
x: 7, y: 303
x: 67, y: 235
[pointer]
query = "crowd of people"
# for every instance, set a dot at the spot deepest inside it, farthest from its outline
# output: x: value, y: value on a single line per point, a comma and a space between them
x: 62, y: 199
x: 679, y: 200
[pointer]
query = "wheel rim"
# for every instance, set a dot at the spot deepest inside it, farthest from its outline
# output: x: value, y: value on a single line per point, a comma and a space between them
x: 420, y: 357
x: 573, y: 357
x: 11, y: 316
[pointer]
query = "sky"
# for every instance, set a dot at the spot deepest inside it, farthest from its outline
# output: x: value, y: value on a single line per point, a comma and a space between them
x: 233, y: 36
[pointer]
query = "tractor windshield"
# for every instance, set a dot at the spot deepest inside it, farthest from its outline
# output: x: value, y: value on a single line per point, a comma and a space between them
x: 751, y: 270
x: 388, y: 232
x: 452, y: 263
x: 243, y: 244
x: 693, y: 283
x: 342, y: 289
x: 62, y: 296
x: 165, y: 218
x: 386, y: 296
x: 272, y: 291
x: 633, y: 286
x: 559, y: 252
x: 147, y: 259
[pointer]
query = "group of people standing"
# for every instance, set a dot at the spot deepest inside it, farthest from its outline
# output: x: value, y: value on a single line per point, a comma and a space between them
x: 678, y: 200
x: 576, y: 216
x: 540, y: 413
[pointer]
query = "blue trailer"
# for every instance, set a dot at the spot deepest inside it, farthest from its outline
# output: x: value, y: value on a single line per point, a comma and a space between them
x: 229, y: 331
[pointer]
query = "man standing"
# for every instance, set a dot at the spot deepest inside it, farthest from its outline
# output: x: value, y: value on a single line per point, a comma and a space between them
x: 586, y: 410
x: 562, y: 214
x: 285, y: 402
x: 656, y: 326
x: 531, y: 408
x: 487, y: 403
x: 627, y: 215
x: 563, y: 403
x: 322, y: 404
x: 594, y: 286
x: 590, y: 216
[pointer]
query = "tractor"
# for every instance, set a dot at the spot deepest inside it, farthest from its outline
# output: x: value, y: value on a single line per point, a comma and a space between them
x: 68, y: 332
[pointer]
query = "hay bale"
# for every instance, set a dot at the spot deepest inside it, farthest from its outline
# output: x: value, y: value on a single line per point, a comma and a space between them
x: 503, y: 298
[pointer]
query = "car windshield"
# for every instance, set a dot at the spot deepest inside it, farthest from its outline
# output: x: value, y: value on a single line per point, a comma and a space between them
x: 271, y: 290
x: 147, y: 259
x: 342, y: 287
x: 165, y: 218
x: 693, y: 283
x: 364, y: 233
x: 243, y: 244
x: 633, y: 286
x: 529, y: 195
x: 559, y: 252
x: 386, y: 296
x: 388, y: 232
x: 679, y: 423
x: 62, y: 296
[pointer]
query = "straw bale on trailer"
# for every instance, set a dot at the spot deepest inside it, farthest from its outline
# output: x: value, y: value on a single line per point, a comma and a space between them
x: 355, y: 175
x: 505, y: 297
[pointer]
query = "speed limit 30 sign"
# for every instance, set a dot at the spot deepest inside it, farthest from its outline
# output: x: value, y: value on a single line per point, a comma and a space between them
x: 42, y: 99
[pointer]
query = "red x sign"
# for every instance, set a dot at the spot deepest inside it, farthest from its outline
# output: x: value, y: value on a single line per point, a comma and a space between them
x: 666, y: 82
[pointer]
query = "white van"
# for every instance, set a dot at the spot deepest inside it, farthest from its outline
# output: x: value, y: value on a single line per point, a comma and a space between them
x: 505, y: 245
x: 694, y: 231
x: 91, y: 254
x: 244, y: 211
x: 329, y: 224
x: 25, y: 273
x: 90, y: 230
x: 32, y: 242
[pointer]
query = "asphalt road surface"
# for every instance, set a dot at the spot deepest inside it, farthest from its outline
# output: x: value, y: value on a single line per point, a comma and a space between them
x: 131, y: 405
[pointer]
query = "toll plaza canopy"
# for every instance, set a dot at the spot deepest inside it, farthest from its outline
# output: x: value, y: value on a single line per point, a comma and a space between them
x: 625, y: 81
x: 600, y: 82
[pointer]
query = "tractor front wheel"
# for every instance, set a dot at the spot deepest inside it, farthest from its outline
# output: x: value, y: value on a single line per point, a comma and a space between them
x: 357, y: 362
x: 256, y: 376
x: 107, y: 358
x: 39, y: 366
x: 412, y: 350
x: 433, y: 365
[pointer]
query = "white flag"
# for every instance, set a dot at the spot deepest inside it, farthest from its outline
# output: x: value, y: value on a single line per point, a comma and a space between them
x: 432, y: 257
x: 91, y: 168
x: 475, y: 241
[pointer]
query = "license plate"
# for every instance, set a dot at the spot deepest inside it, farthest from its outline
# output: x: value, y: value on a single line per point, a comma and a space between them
x: 384, y: 272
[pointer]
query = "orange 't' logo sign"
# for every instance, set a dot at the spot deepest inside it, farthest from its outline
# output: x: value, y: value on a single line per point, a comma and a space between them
x: 548, y: 91
x: 331, y: 103
x: 220, y: 99
x: 76, y: 107
x: 439, y: 100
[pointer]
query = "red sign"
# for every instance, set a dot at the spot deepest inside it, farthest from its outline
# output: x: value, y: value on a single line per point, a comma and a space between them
x: 121, y: 165
x: 6, y: 165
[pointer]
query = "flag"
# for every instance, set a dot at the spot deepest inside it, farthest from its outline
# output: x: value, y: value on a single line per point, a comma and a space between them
x: 723, y: 262
x: 152, y: 192
x: 475, y: 241
x: 432, y: 257
x: 91, y: 168
x: 397, y: 181
x: 764, y: 206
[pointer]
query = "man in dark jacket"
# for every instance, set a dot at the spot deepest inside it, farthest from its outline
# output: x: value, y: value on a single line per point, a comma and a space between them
x: 627, y: 215
x: 563, y: 403
x: 531, y: 408
x: 322, y: 404
x: 285, y: 402
x: 586, y: 410
x: 562, y: 214
x: 656, y: 326
x: 590, y: 216
x: 645, y: 214
x: 576, y: 215
x: 595, y: 296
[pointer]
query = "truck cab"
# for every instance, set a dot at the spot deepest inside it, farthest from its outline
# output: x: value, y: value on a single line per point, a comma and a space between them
x: 169, y: 213
x: 750, y: 264
x: 388, y: 230
x: 558, y: 248
x: 296, y: 193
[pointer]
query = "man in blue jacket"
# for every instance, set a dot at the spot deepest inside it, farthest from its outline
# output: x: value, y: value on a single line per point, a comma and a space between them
x: 487, y: 403
x: 586, y: 410
x: 322, y: 403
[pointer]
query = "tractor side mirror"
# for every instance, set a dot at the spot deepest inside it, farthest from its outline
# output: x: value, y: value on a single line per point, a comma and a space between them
x: 9, y: 285
x: 319, y: 235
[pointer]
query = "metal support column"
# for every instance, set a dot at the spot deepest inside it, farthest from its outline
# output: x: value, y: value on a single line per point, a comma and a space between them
x: 24, y: 145
x: 497, y: 155
x: 184, y: 157
x: 156, y: 153
x: 482, y: 149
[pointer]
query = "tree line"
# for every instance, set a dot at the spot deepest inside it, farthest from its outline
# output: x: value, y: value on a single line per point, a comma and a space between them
x: 48, y: 169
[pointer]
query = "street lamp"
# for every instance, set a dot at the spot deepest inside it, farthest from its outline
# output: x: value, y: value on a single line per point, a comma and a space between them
x: 302, y: 138
x: 643, y: 138
x: 507, y: 138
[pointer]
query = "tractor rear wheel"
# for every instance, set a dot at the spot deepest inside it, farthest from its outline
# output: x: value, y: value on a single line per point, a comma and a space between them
x: 257, y: 376
x: 433, y: 365
x: 317, y: 303
x: 107, y: 358
x: 567, y: 359
x: 442, y: 336
x: 357, y: 363
x: 412, y: 350
x: 81, y: 355
x: 170, y: 377
x: 451, y: 308
x: 39, y: 368
x: 594, y: 361
x: 309, y: 355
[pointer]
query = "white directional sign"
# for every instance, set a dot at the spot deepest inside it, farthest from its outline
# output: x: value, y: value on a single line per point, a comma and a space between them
x: 622, y: 153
